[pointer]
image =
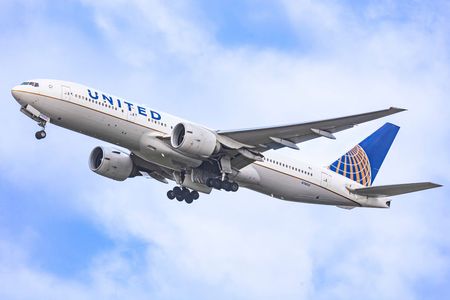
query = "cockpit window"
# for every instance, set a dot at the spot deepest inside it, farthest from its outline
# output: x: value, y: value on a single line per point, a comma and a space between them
x: 35, y: 84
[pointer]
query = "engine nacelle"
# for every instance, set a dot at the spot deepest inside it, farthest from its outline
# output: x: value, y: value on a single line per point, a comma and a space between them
x: 111, y: 163
x: 194, y: 140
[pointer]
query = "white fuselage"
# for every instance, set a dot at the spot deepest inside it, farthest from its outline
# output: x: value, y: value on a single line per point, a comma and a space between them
x: 129, y: 125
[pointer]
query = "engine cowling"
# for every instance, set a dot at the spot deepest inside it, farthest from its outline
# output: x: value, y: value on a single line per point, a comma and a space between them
x: 194, y: 140
x: 111, y: 163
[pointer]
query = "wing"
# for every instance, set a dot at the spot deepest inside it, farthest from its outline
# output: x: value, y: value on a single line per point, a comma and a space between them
x: 258, y: 140
x: 289, y: 135
x: 393, y: 190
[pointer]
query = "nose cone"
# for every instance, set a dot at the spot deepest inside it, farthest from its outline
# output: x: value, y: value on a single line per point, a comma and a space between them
x: 15, y: 92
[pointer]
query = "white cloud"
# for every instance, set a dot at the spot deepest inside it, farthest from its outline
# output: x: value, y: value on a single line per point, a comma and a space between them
x: 247, y: 245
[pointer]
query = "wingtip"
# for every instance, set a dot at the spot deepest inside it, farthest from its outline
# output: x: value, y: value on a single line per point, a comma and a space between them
x: 435, y: 185
x: 397, y: 109
x: 432, y: 185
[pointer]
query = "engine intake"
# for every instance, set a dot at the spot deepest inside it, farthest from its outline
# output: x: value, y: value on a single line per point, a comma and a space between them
x: 111, y: 163
x: 194, y: 140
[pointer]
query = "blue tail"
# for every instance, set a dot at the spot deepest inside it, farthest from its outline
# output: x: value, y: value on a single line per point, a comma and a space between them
x: 362, y: 163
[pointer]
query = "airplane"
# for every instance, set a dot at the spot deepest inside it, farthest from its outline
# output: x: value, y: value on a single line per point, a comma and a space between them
x: 199, y: 159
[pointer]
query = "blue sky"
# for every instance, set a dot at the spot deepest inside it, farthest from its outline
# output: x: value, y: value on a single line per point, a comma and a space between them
x: 67, y: 232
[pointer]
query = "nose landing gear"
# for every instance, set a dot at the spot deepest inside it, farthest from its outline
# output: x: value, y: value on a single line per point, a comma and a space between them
x: 37, y: 116
x: 41, y: 133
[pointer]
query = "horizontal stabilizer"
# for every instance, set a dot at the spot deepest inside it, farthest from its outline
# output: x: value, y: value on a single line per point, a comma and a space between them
x: 393, y: 190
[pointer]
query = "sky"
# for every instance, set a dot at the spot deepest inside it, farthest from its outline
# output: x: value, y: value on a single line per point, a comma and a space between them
x: 66, y: 232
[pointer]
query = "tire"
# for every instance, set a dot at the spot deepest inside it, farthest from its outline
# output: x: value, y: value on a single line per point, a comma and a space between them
x: 177, y: 190
x: 195, y: 195
x: 179, y: 197
x: 226, y: 185
x: 217, y: 184
x: 170, y: 195
x: 189, y: 199
x: 186, y: 193
x: 40, y: 134
x: 209, y: 182
x: 234, y: 187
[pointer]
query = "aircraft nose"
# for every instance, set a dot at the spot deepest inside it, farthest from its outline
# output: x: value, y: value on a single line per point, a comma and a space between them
x: 15, y: 92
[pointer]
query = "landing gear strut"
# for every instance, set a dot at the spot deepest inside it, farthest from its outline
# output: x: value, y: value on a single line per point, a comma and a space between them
x: 41, y: 133
x: 183, y: 194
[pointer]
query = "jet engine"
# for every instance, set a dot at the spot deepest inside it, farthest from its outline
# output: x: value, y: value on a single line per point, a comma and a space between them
x: 111, y: 163
x: 194, y: 140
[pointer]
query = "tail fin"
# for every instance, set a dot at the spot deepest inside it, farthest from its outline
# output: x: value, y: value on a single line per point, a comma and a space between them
x: 362, y: 163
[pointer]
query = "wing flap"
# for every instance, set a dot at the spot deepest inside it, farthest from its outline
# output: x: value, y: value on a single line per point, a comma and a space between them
x: 393, y: 190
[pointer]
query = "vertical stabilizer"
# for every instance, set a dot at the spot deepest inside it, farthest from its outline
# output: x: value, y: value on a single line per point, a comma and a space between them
x: 362, y: 163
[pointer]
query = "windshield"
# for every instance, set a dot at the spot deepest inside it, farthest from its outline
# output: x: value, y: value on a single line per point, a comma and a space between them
x: 35, y: 84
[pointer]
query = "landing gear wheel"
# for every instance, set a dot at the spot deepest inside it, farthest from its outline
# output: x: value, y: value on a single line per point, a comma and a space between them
x: 176, y: 190
x: 226, y: 185
x: 189, y: 199
x: 209, y: 182
x: 185, y: 192
x: 40, y: 134
x: 171, y: 195
x: 217, y: 184
x: 234, y: 187
x: 195, y: 195
x: 178, y: 193
x: 182, y: 193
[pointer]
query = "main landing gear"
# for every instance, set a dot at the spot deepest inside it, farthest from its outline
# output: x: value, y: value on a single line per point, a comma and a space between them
x: 41, y: 133
x: 222, y: 185
x: 183, y: 194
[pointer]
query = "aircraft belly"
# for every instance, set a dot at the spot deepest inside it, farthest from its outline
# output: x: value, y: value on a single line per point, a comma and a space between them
x: 290, y: 188
x: 160, y: 152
